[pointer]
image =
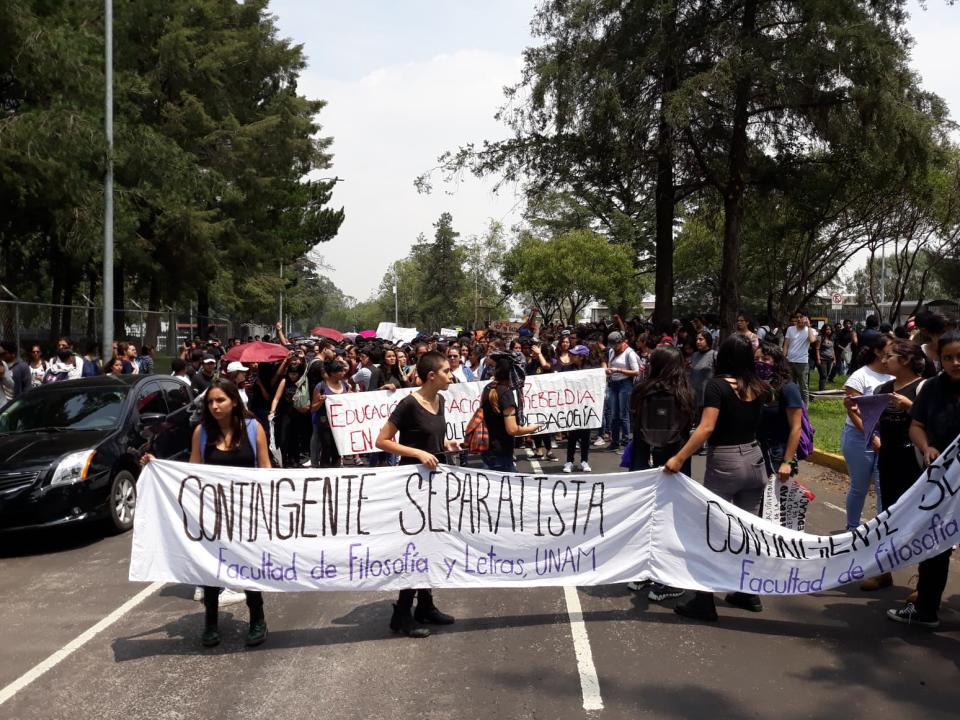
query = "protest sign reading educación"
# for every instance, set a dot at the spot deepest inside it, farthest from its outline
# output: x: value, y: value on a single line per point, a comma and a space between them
x: 455, y: 527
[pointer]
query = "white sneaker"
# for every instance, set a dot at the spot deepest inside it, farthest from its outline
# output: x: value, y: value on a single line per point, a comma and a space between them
x: 198, y: 594
x: 585, y: 467
x: 231, y: 597
x: 600, y: 441
x: 568, y: 467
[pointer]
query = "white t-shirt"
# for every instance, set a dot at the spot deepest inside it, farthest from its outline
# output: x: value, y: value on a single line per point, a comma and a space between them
x: 627, y: 360
x: 798, y: 350
x: 863, y: 382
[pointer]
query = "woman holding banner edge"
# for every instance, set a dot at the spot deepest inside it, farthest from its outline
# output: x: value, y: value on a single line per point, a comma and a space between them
x: 732, y: 409
x: 421, y: 422
x: 228, y: 435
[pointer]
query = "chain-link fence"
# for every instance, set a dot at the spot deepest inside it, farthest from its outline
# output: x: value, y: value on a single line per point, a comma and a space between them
x: 166, y: 331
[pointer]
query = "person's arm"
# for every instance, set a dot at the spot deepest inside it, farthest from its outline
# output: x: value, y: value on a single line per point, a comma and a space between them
x: 276, y: 398
x: 786, y: 343
x: 263, y: 451
x: 852, y: 410
x: 386, y: 443
x: 513, y: 428
x: 794, y: 420
x: 318, y: 398
x: 918, y: 436
x: 708, y: 423
x: 279, y: 329
x: 196, y: 456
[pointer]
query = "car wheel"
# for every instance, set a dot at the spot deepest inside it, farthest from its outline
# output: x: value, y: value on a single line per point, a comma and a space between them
x: 123, y: 500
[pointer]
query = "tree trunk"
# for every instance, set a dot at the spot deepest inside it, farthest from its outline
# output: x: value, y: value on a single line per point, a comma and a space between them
x: 203, y: 311
x: 92, y: 312
x: 665, y: 193
x: 66, y: 317
x: 733, y: 196
x: 153, y: 319
x: 56, y: 261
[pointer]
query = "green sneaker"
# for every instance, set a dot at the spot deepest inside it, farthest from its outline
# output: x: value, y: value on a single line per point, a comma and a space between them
x: 210, y: 637
x: 257, y: 633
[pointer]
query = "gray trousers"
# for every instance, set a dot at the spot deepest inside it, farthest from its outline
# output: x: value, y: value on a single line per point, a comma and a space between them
x: 738, y: 474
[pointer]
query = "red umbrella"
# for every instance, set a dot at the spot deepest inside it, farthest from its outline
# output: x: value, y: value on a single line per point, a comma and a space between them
x: 257, y: 351
x: 329, y: 333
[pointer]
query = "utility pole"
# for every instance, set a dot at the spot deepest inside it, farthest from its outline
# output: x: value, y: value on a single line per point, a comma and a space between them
x: 107, y: 340
x: 396, y: 300
x: 281, y: 296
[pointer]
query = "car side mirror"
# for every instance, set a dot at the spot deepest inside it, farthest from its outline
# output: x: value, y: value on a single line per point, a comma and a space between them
x: 151, y: 421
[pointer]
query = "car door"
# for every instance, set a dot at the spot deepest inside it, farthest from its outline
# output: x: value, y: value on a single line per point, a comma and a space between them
x: 179, y: 430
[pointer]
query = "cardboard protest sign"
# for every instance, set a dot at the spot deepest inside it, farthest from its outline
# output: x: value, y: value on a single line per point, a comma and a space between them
x: 458, y: 527
x: 559, y: 401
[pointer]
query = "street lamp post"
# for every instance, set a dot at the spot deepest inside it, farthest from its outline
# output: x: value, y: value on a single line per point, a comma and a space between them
x: 108, y: 185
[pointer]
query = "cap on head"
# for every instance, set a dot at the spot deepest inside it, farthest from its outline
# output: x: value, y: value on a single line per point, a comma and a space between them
x: 580, y: 350
x: 236, y: 366
x: 615, y: 337
x: 208, y: 358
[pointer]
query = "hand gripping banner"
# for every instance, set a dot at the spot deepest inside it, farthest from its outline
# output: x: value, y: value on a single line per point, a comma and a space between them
x: 409, y: 527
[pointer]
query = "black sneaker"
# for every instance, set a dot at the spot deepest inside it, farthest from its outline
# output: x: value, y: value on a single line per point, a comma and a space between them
x: 660, y: 592
x: 745, y: 601
x: 909, y: 615
x: 698, y: 608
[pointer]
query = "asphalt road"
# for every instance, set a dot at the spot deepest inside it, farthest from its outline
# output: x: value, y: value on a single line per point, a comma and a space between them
x: 511, y: 653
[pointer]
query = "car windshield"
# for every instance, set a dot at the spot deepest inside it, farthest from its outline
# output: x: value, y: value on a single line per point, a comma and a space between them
x: 73, y: 408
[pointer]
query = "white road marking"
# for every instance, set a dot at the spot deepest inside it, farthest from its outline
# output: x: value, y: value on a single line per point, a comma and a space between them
x: 82, y: 639
x: 834, y: 507
x: 589, y: 683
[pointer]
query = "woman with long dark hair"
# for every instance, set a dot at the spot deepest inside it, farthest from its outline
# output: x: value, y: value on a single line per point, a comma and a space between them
x: 702, y: 364
x: 661, y: 414
x: 391, y: 373
x: 859, y: 451
x: 228, y: 435
x: 780, y: 430
x: 732, y: 410
x: 499, y: 403
x: 897, y: 465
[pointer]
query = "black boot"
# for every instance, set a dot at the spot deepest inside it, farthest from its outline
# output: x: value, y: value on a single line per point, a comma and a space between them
x: 745, y: 601
x: 429, y: 613
x: 700, y: 607
x: 402, y: 622
x: 257, y: 632
x: 211, y: 611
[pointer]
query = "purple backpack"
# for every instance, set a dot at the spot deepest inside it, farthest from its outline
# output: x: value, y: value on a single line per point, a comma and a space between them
x: 807, y: 431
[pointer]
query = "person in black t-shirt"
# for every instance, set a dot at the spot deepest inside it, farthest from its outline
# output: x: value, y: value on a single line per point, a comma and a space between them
x: 420, y: 420
x: 499, y: 404
x: 935, y: 423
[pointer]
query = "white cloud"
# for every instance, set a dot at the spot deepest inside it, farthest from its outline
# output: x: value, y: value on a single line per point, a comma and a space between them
x: 388, y: 127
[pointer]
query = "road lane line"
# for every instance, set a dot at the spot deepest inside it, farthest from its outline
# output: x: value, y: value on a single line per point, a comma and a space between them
x: 82, y: 639
x: 834, y: 507
x: 589, y: 683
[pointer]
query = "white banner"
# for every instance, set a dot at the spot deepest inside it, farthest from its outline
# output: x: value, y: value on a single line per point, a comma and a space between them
x: 408, y: 527
x: 390, y: 331
x: 560, y: 401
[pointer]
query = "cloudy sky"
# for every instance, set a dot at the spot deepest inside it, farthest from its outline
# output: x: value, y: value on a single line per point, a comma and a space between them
x: 407, y: 80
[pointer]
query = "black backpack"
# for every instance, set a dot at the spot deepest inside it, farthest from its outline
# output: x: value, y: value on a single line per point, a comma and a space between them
x: 661, y: 422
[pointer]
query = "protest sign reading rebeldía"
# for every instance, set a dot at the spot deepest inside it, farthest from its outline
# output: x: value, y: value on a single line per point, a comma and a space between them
x: 409, y: 527
x: 558, y: 401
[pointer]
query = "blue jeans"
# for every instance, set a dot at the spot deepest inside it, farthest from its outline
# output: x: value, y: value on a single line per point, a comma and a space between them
x: 618, y: 400
x: 495, y: 461
x: 862, y: 466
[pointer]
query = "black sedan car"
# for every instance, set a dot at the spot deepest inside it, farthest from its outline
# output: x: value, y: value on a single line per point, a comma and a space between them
x: 69, y: 450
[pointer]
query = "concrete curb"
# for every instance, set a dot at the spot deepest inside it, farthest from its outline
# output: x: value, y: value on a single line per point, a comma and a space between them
x: 828, y: 460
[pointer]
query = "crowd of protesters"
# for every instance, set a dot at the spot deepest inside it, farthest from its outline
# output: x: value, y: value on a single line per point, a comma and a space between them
x: 672, y: 392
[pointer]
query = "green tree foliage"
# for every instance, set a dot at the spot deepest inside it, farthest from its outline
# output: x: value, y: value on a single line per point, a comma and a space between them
x: 777, y: 113
x: 564, y: 274
x: 214, y: 147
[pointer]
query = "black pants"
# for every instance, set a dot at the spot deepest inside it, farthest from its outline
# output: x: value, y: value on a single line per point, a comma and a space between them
x: 405, y: 599
x: 295, y: 431
x: 583, y: 438
x: 645, y: 457
x: 211, y: 604
x: 933, y: 580
x: 898, y: 470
